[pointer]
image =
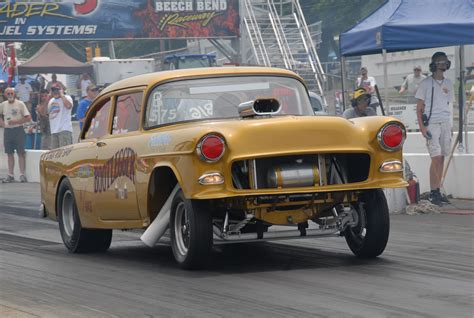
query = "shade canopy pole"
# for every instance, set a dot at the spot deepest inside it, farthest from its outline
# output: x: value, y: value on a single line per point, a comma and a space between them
x: 385, y: 78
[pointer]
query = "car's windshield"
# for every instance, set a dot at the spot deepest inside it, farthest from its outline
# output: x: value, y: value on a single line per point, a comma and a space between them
x: 219, y: 98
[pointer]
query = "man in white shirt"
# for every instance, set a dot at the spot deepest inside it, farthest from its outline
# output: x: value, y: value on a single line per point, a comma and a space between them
x: 59, y: 109
x: 412, y: 81
x: 84, y: 83
x: 368, y: 83
x: 434, y: 94
x: 23, y: 91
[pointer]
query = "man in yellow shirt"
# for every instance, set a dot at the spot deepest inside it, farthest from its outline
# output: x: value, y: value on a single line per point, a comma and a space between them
x: 13, y: 114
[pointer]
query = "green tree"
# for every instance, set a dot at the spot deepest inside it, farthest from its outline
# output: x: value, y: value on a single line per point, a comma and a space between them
x: 337, y: 16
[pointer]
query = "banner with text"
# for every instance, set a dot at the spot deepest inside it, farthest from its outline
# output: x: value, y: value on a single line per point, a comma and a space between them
x: 114, y: 19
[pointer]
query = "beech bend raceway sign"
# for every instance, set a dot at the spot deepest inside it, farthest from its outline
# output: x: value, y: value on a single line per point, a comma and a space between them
x: 94, y: 20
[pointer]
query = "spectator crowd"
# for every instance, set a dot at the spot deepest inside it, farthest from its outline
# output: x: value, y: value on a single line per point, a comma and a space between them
x: 40, y: 107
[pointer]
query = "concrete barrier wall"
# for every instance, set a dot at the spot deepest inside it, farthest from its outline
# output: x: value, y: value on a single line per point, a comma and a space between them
x: 32, y: 165
x: 459, y: 180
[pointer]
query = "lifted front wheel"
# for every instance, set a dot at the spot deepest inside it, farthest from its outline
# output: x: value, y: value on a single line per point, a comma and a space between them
x: 369, y: 237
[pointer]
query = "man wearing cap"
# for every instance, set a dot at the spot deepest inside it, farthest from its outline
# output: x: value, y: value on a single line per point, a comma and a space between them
x: 360, y: 105
x: 13, y: 114
x: 59, y: 109
x: 84, y: 104
x: 23, y: 91
x: 412, y: 81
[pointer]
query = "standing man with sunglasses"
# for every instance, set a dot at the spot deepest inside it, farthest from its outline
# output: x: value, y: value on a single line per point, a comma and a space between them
x: 434, y: 94
x: 13, y: 114
x: 412, y: 81
x: 360, y: 105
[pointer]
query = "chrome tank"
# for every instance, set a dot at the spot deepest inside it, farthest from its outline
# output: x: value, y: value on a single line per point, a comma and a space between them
x: 291, y: 176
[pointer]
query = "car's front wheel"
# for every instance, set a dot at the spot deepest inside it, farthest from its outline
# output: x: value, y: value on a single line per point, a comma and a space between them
x: 75, y: 237
x: 191, y: 232
x: 370, y: 236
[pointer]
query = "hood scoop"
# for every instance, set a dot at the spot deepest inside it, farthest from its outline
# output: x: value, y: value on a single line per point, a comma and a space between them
x: 260, y: 107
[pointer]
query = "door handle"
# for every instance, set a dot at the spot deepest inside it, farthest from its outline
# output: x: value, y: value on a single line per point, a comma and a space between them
x: 100, y: 144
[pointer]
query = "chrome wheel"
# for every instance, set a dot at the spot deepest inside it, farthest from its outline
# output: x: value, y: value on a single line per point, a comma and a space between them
x: 360, y: 230
x: 190, y: 231
x: 68, y: 212
x: 182, y: 228
x: 369, y: 237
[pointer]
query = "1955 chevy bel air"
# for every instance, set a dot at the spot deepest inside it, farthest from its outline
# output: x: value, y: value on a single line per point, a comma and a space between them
x: 222, y: 155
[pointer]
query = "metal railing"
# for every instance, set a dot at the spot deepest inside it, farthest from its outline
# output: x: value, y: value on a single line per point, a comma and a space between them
x: 287, y: 40
x: 255, y: 35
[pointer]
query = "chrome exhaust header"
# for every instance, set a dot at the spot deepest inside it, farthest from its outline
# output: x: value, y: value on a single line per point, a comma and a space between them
x: 347, y: 217
x: 237, y: 237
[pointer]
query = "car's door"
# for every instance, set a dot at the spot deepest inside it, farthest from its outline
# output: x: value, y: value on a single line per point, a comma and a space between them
x: 116, y: 197
x: 95, y: 129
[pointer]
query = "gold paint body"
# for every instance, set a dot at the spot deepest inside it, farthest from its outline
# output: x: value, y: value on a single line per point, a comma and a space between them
x: 245, y: 139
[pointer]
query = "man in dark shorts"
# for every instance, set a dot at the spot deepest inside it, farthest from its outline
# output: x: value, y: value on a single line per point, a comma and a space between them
x: 13, y: 114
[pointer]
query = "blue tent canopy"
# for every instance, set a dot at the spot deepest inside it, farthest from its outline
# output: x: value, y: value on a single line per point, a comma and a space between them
x: 400, y: 25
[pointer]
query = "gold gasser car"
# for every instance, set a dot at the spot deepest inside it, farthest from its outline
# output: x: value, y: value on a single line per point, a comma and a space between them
x: 222, y: 155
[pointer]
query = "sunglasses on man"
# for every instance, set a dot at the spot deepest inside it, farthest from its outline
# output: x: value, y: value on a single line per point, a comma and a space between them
x: 363, y: 100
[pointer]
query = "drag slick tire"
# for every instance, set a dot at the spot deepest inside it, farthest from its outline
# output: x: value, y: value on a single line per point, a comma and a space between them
x: 370, y: 236
x: 191, y: 232
x: 75, y: 238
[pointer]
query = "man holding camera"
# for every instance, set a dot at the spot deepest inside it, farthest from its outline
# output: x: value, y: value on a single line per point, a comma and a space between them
x: 59, y: 109
x: 434, y: 118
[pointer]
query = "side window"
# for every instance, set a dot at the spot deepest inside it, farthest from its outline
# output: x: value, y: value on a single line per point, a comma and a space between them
x: 100, y: 122
x: 315, y: 104
x: 127, y: 113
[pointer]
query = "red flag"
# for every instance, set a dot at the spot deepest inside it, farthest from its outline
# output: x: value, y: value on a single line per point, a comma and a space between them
x: 4, y: 57
x: 11, y: 72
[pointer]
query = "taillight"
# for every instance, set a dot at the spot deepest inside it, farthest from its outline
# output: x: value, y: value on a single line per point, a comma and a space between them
x: 391, y: 136
x: 211, y: 148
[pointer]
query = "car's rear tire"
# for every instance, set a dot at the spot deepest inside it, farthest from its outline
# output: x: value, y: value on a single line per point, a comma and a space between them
x: 75, y: 238
x: 369, y: 238
x: 191, y: 232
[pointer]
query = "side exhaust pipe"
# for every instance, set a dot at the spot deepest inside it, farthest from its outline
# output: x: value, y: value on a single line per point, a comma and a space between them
x: 159, y: 225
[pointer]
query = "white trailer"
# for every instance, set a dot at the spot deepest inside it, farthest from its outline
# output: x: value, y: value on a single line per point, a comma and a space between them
x: 108, y: 71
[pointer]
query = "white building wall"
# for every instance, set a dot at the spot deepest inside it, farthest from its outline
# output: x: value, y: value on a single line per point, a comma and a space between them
x: 400, y: 64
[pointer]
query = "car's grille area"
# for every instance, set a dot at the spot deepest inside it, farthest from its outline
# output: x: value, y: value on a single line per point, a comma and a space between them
x: 313, y: 170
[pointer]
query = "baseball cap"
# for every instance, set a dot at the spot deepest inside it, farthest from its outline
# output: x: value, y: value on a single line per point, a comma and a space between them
x: 92, y: 87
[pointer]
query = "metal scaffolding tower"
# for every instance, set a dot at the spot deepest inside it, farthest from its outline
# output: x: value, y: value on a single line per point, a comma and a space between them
x: 277, y: 35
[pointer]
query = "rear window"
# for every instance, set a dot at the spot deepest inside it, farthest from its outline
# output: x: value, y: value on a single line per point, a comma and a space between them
x: 219, y: 97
